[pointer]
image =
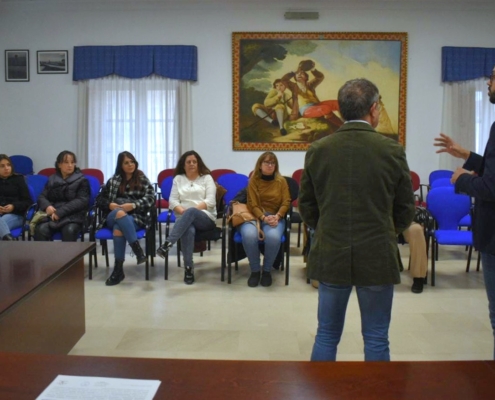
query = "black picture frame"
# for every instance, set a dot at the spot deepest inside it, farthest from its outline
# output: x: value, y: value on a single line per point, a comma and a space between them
x: 52, y: 61
x: 16, y: 65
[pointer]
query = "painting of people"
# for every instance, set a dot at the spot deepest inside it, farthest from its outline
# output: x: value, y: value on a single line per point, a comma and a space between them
x: 286, y: 85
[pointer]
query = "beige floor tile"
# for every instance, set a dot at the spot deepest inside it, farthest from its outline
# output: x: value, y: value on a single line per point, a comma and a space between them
x: 214, y: 320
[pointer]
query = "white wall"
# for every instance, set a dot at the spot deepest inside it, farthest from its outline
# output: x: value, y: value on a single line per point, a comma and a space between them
x: 39, y: 118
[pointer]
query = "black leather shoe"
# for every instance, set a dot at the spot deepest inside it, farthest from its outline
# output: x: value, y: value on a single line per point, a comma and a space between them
x: 8, y: 237
x: 115, y: 279
x: 163, y: 249
x: 417, y: 286
x: 266, y: 279
x: 189, y: 276
x: 138, y: 252
x: 254, y: 279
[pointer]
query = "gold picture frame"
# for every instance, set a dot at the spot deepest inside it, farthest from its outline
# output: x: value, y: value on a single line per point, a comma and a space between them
x: 269, y: 112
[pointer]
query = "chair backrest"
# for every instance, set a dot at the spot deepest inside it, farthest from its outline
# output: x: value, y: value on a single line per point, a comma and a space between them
x: 94, y: 187
x: 37, y: 184
x: 232, y: 183
x: 438, y: 174
x: 164, y: 174
x: 416, y: 182
x: 47, y: 171
x: 22, y: 164
x: 441, y: 182
x: 166, y: 187
x: 97, y: 173
x: 447, y: 207
x: 297, y: 175
x: 217, y: 173
x: 293, y: 187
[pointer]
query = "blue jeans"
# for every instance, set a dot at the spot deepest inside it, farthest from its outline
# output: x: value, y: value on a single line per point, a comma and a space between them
x: 185, y: 229
x: 375, y: 304
x: 127, y: 226
x: 488, y: 261
x: 9, y: 222
x: 250, y: 242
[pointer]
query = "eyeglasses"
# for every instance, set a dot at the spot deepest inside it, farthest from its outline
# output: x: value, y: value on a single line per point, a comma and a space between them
x: 191, y: 162
x: 129, y: 162
x: 270, y: 163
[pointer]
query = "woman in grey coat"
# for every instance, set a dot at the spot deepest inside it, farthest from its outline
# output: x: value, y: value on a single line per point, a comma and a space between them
x: 65, y: 199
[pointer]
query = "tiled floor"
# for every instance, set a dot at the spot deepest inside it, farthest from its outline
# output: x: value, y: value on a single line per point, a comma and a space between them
x: 214, y: 320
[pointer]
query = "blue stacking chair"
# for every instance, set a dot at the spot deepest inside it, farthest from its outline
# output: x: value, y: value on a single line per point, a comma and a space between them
x: 439, y: 174
x: 36, y: 184
x: 440, y: 182
x: 104, y: 234
x: 235, y: 239
x: 22, y: 164
x: 448, y: 208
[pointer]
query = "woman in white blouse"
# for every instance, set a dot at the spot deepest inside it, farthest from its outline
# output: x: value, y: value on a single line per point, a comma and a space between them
x: 193, y: 200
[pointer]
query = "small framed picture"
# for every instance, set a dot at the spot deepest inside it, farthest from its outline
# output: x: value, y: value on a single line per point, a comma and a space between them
x: 53, y: 62
x: 16, y: 65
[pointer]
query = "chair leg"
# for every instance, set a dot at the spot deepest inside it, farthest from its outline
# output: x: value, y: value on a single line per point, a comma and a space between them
x: 469, y: 258
x: 299, y: 235
x: 433, y: 255
x: 478, y: 262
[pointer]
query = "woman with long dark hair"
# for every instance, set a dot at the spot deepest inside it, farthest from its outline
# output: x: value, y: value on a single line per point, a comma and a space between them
x: 193, y: 200
x: 125, y: 202
x: 14, y: 198
x: 65, y: 199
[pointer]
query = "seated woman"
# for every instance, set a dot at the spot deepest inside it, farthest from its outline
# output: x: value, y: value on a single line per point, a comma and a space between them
x: 268, y: 198
x: 193, y: 200
x: 65, y: 200
x: 125, y: 202
x: 14, y: 198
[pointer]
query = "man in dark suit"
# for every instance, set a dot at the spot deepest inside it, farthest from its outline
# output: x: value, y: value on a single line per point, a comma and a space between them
x: 356, y: 193
x: 477, y: 179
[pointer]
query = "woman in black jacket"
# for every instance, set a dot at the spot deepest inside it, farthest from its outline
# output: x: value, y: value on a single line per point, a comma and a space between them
x: 65, y: 200
x: 14, y: 198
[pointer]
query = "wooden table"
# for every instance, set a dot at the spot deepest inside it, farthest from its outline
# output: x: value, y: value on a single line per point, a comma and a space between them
x: 42, y: 296
x: 25, y: 376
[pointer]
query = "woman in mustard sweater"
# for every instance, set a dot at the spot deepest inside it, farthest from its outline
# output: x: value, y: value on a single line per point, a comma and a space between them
x: 269, y: 200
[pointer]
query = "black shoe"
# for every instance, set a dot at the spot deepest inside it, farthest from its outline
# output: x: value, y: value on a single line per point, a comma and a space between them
x: 115, y: 279
x: 117, y: 274
x: 138, y: 252
x: 163, y: 249
x: 266, y: 279
x: 254, y: 279
x: 283, y: 132
x: 417, y: 286
x: 189, y: 276
x: 8, y: 237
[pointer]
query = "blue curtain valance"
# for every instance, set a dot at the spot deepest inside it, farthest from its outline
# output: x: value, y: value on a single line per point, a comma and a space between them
x: 174, y: 62
x: 466, y: 63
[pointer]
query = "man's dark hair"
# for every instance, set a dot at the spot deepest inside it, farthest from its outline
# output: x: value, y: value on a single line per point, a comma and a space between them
x: 356, y: 98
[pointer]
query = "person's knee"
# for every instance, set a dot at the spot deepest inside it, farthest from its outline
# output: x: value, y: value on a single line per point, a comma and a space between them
x: 42, y: 232
x: 120, y: 214
x: 71, y: 232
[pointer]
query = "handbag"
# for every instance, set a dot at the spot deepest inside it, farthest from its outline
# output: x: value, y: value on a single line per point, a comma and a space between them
x: 241, y: 214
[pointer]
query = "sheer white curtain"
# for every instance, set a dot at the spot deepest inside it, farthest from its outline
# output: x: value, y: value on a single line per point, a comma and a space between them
x: 149, y: 117
x: 467, y: 117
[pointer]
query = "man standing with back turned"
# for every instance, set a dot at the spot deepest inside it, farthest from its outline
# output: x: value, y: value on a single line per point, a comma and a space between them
x: 356, y: 193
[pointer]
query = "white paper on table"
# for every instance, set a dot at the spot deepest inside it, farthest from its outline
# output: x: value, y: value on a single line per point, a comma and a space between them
x: 66, y: 387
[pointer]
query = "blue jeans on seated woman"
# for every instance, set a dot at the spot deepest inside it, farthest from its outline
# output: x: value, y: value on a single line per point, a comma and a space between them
x: 375, y: 304
x: 185, y: 229
x: 250, y: 242
x: 9, y: 222
x: 127, y: 226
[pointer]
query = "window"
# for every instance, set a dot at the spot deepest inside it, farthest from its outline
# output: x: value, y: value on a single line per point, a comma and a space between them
x: 137, y: 115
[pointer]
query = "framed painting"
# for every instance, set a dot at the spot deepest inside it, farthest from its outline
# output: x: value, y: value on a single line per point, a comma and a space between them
x: 16, y: 65
x: 53, y: 61
x: 285, y: 85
